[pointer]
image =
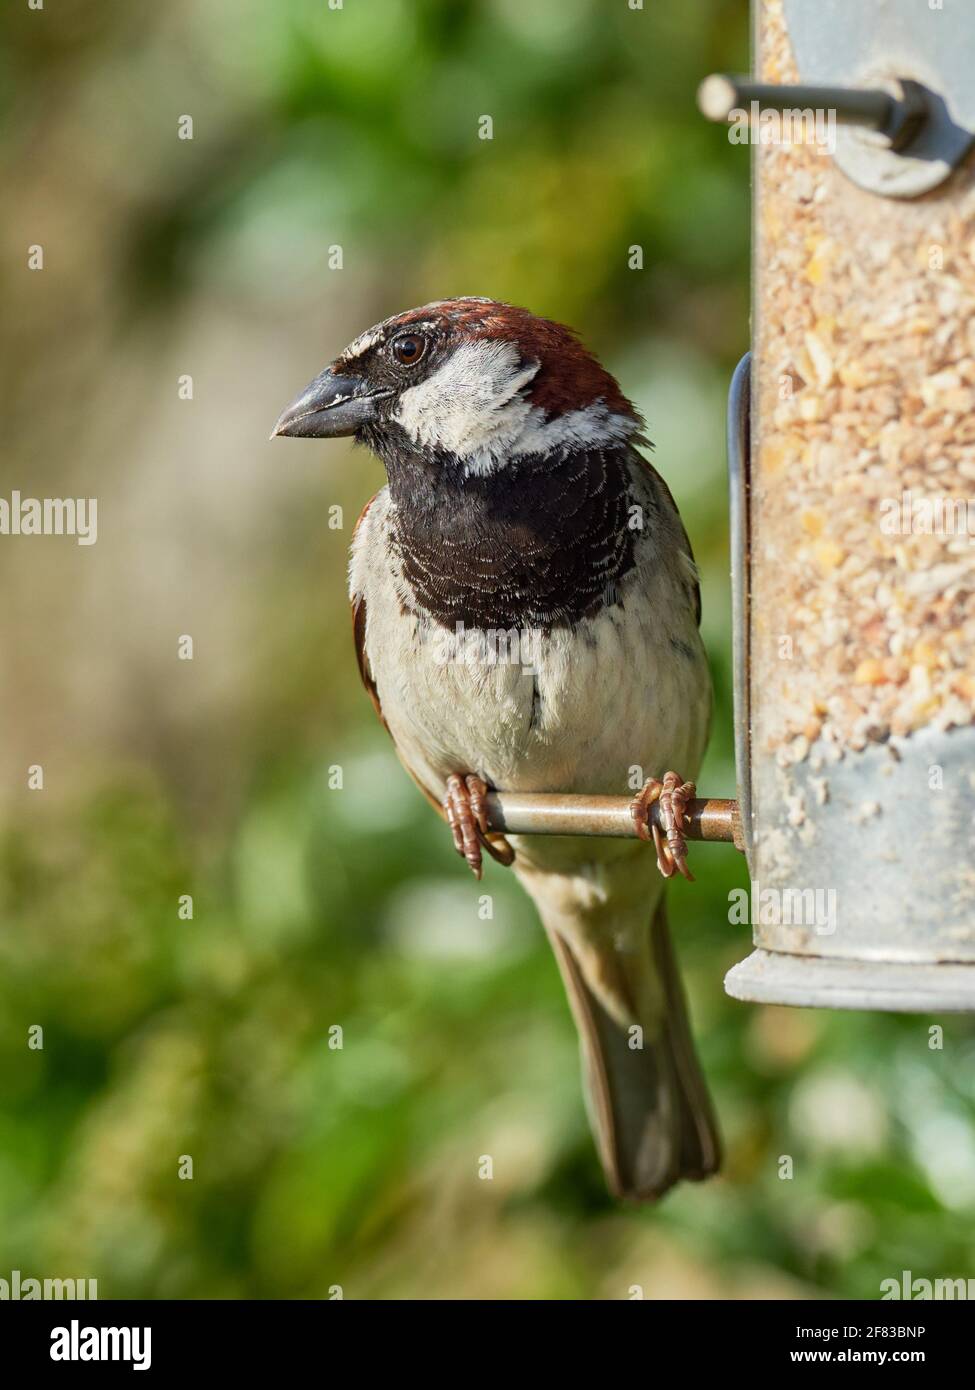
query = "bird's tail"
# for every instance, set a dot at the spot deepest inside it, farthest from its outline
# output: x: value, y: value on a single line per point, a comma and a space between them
x: 648, y: 1103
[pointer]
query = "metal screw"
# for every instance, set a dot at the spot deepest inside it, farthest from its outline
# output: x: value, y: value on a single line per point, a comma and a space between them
x: 896, y: 114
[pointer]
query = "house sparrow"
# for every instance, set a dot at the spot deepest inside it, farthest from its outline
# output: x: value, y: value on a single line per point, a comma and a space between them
x: 518, y: 507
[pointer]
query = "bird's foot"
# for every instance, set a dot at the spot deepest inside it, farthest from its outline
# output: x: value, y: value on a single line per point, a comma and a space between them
x: 673, y: 794
x: 465, y: 806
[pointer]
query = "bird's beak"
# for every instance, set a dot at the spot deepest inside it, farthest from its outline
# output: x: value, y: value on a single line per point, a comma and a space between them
x: 329, y: 407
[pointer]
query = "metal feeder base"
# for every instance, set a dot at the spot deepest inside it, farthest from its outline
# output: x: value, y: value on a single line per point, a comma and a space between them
x: 821, y: 982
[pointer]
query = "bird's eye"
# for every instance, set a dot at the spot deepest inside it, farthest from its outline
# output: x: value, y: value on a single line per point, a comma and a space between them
x: 409, y: 348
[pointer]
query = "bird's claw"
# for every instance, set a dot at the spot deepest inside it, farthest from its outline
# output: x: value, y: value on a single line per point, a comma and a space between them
x: 465, y: 806
x: 673, y: 795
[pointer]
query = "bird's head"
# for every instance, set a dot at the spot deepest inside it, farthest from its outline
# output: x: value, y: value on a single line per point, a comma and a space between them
x: 473, y: 379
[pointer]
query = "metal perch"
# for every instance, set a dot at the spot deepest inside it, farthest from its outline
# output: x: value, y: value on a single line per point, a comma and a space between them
x: 519, y: 813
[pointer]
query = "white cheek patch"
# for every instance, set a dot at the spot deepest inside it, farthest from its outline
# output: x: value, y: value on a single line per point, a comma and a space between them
x: 470, y: 406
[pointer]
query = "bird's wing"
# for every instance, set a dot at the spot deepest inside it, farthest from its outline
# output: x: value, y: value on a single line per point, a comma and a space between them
x: 660, y: 484
x: 359, y: 636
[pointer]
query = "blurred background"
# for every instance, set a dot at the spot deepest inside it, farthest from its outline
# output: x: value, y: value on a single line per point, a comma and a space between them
x: 313, y: 907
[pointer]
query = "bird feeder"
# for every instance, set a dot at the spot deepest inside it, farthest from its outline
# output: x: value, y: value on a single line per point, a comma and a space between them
x: 852, y: 464
x: 852, y: 449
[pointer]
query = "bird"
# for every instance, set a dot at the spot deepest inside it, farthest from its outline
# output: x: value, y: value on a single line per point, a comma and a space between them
x: 520, y: 513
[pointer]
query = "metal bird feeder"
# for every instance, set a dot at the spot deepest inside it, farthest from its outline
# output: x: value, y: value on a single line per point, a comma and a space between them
x: 852, y: 461
x: 852, y: 453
